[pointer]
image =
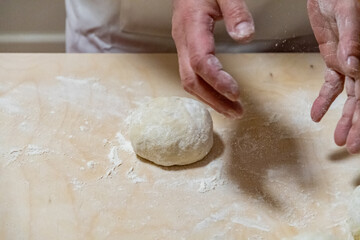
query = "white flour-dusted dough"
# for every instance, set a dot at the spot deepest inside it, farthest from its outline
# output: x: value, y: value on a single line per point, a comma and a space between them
x: 313, y: 236
x: 172, y: 131
x: 354, y: 212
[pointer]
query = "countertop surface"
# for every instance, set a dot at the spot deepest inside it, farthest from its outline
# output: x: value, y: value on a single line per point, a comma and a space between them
x: 68, y: 171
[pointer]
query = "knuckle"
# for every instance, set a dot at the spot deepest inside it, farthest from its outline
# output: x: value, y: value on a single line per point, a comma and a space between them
x: 175, y: 32
x: 352, y: 46
x: 196, y: 62
x: 181, y: 19
x: 188, y: 83
x: 311, y: 5
x: 176, y: 29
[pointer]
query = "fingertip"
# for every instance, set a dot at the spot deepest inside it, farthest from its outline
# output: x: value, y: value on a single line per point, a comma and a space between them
x: 238, y: 20
x: 243, y: 31
x: 232, y: 96
x: 353, y: 140
x: 353, y: 148
x: 339, y: 137
x: 226, y: 85
x: 235, y: 110
x: 342, y: 131
x: 316, y: 113
x: 233, y: 93
x: 315, y: 117
x: 234, y: 115
x: 237, y: 113
x: 339, y: 142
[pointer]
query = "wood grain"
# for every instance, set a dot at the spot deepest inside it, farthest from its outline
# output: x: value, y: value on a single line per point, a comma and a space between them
x: 271, y: 175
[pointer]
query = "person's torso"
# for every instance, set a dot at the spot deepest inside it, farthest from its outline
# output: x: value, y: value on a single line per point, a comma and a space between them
x: 145, y: 26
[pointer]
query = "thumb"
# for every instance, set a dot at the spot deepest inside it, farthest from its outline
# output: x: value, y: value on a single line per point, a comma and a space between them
x: 238, y: 20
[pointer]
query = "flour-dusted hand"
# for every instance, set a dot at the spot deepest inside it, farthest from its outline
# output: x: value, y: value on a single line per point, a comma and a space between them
x: 201, y: 72
x: 336, y: 26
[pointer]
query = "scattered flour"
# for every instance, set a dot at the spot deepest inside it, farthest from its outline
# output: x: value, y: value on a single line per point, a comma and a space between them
x: 233, y: 215
x: 125, y: 145
x: 297, y: 107
x: 83, y: 128
x: 210, y: 183
x: 114, y: 157
x: 105, y: 142
x: 29, y: 150
x: 75, y: 80
x: 76, y: 184
x: 35, y: 150
x: 16, y: 151
x: 14, y: 154
x: 8, y: 105
x: 216, y: 217
x: 77, y: 91
x: 274, y: 117
x: 251, y: 223
x: 90, y: 164
x: 114, y: 160
x: 130, y: 174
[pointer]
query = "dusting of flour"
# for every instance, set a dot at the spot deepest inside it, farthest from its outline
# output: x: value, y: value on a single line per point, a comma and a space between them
x: 130, y: 174
x: 124, y: 145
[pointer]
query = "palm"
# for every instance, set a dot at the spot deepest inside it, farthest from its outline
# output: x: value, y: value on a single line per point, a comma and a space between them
x: 336, y: 27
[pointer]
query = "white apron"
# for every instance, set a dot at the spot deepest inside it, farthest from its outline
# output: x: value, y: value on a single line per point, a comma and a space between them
x: 145, y: 26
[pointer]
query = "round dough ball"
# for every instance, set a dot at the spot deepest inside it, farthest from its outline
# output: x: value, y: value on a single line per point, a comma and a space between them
x: 354, y: 212
x: 172, y: 131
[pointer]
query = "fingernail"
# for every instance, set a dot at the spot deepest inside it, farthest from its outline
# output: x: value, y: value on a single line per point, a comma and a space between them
x: 235, y: 115
x: 233, y: 96
x: 353, y: 63
x: 244, y: 29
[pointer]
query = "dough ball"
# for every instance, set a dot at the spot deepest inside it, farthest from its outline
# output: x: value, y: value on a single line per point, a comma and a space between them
x: 354, y: 212
x: 172, y: 131
x: 313, y: 236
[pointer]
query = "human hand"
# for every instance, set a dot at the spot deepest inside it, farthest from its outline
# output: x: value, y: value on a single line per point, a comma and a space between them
x: 336, y: 25
x: 201, y: 72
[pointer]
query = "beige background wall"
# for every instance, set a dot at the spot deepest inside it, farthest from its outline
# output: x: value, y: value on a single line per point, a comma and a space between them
x: 32, y: 26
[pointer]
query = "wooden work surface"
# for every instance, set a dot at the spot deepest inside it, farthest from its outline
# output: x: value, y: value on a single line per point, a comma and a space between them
x: 67, y: 170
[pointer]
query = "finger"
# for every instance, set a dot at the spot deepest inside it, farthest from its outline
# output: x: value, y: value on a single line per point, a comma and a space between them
x: 348, y: 23
x: 238, y: 20
x: 196, y: 86
x: 345, y: 122
x: 333, y: 86
x: 193, y: 83
x: 200, y: 41
x: 210, y: 69
x: 205, y: 93
x: 353, y: 139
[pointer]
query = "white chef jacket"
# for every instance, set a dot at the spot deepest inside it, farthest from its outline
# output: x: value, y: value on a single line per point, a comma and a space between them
x: 145, y: 26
